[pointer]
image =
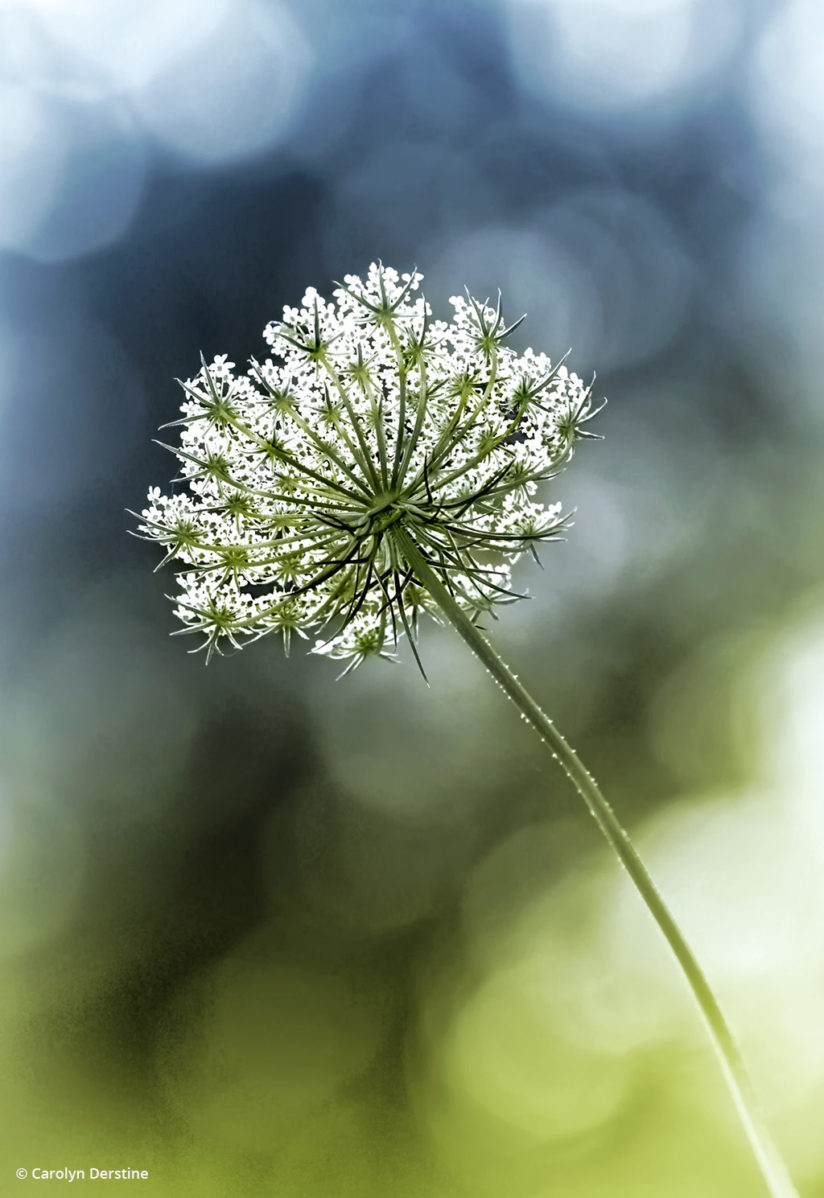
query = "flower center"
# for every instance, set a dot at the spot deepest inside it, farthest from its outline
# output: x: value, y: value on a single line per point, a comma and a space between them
x: 382, y: 501
x: 383, y: 512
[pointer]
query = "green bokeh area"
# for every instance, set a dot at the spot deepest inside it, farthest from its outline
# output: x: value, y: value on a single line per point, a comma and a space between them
x: 269, y: 935
x: 365, y: 942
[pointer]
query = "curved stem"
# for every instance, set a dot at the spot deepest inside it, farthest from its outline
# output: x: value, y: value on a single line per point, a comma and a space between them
x: 773, y: 1169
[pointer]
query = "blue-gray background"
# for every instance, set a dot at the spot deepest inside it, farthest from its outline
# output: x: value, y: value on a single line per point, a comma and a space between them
x: 262, y: 933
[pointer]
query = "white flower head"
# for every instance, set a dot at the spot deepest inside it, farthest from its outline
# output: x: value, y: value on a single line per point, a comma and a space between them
x: 371, y: 426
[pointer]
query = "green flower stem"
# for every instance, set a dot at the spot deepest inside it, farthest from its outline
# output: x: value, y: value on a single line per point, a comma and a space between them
x: 773, y: 1169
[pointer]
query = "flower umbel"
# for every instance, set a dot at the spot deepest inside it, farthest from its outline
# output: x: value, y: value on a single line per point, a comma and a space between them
x: 370, y: 419
x: 382, y: 465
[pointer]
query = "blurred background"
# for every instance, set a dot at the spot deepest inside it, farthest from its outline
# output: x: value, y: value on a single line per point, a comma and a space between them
x: 266, y: 934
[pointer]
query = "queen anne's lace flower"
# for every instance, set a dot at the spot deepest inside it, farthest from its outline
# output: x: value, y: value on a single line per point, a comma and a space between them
x: 372, y: 423
x: 381, y: 465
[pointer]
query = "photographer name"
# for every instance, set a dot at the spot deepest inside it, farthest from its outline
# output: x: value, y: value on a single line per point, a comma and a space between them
x: 92, y: 1174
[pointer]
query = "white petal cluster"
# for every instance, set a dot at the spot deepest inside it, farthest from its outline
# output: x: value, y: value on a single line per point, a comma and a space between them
x: 370, y: 417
